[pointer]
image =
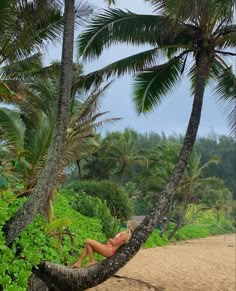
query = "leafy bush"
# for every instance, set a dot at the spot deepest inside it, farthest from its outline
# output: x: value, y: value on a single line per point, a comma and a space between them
x: 109, y: 192
x: 191, y: 231
x: 34, y: 244
x: 94, y: 207
x: 200, y: 216
x: 202, y: 230
x: 155, y: 240
x: 223, y: 228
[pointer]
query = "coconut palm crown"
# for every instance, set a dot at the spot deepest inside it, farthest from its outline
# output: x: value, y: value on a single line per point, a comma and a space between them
x: 178, y: 33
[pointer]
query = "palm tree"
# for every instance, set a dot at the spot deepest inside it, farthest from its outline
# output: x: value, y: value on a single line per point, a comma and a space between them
x: 27, y: 27
x: 48, y: 176
x: 193, y: 184
x: 28, y: 126
x: 220, y: 199
x: 120, y: 149
x: 180, y: 28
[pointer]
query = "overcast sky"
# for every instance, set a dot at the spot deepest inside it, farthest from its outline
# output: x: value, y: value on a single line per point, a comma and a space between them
x: 171, y: 116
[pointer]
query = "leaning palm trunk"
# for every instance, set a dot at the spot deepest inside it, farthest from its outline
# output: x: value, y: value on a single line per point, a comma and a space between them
x: 61, y: 278
x: 181, y: 218
x: 48, y: 177
x: 168, y: 219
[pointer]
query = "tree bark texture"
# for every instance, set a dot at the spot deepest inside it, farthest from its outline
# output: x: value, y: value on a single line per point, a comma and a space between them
x: 35, y: 284
x: 48, y: 178
x: 80, y: 279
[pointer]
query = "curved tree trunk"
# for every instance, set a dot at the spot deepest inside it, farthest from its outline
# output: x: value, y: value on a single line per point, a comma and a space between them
x: 68, y: 279
x: 48, y: 177
x: 181, y: 218
x: 168, y: 219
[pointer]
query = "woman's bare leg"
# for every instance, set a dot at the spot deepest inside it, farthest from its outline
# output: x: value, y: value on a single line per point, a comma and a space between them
x: 91, y: 247
x: 91, y: 257
x: 99, y: 248
x: 81, y: 258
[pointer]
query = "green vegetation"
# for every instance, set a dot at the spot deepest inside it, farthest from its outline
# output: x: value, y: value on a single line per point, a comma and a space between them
x: 110, y: 193
x: 60, y: 241
x: 206, y: 224
x: 93, y: 207
x: 156, y: 240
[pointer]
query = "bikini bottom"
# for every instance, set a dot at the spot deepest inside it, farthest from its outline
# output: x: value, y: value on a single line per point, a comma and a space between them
x: 111, y: 247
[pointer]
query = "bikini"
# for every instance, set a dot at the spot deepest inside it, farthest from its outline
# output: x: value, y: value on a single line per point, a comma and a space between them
x: 113, y: 250
x: 111, y: 247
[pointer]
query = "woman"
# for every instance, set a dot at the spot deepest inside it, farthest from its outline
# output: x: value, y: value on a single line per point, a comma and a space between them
x: 108, y: 249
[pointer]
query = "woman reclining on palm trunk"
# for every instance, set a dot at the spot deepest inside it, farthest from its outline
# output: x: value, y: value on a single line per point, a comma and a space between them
x: 108, y: 249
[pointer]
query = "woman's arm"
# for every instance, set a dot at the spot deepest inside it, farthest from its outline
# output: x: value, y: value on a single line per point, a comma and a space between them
x: 119, y: 240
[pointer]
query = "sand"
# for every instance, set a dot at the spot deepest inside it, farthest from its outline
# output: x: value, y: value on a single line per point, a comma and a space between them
x: 206, y: 264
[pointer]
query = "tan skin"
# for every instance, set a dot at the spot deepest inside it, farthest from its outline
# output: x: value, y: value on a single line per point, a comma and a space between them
x: 105, y: 250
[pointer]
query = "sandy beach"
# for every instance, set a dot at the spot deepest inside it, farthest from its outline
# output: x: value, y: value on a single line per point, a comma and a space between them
x: 206, y: 264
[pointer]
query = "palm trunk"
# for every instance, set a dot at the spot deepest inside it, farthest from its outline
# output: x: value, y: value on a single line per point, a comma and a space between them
x: 79, y: 168
x: 218, y: 216
x: 181, y: 217
x: 48, y: 177
x: 93, y: 166
x: 167, y: 222
x: 123, y: 175
x: 67, y: 279
x: 193, y: 214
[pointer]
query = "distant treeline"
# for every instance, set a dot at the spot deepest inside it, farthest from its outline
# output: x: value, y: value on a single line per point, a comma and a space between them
x: 144, y: 161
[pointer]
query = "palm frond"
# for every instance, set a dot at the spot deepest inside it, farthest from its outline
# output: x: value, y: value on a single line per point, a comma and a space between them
x: 115, y: 26
x: 152, y: 85
x: 226, y: 92
x: 227, y: 40
x: 194, y: 11
x: 110, y: 2
x: 131, y: 64
x: 83, y: 12
x: 13, y: 74
x: 88, y: 107
x: 6, y: 93
x: 12, y: 127
x: 27, y: 26
x: 213, y: 160
x: 81, y: 141
x: 37, y: 143
x: 180, y: 9
x: 217, y: 67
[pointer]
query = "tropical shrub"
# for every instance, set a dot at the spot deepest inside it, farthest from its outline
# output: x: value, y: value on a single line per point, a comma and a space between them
x: 109, y: 192
x: 40, y: 241
x: 155, y: 240
x: 223, y: 228
x: 196, y: 214
x: 94, y: 207
x: 191, y: 231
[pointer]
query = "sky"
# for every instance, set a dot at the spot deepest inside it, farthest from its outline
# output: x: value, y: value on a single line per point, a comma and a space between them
x: 171, y: 116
